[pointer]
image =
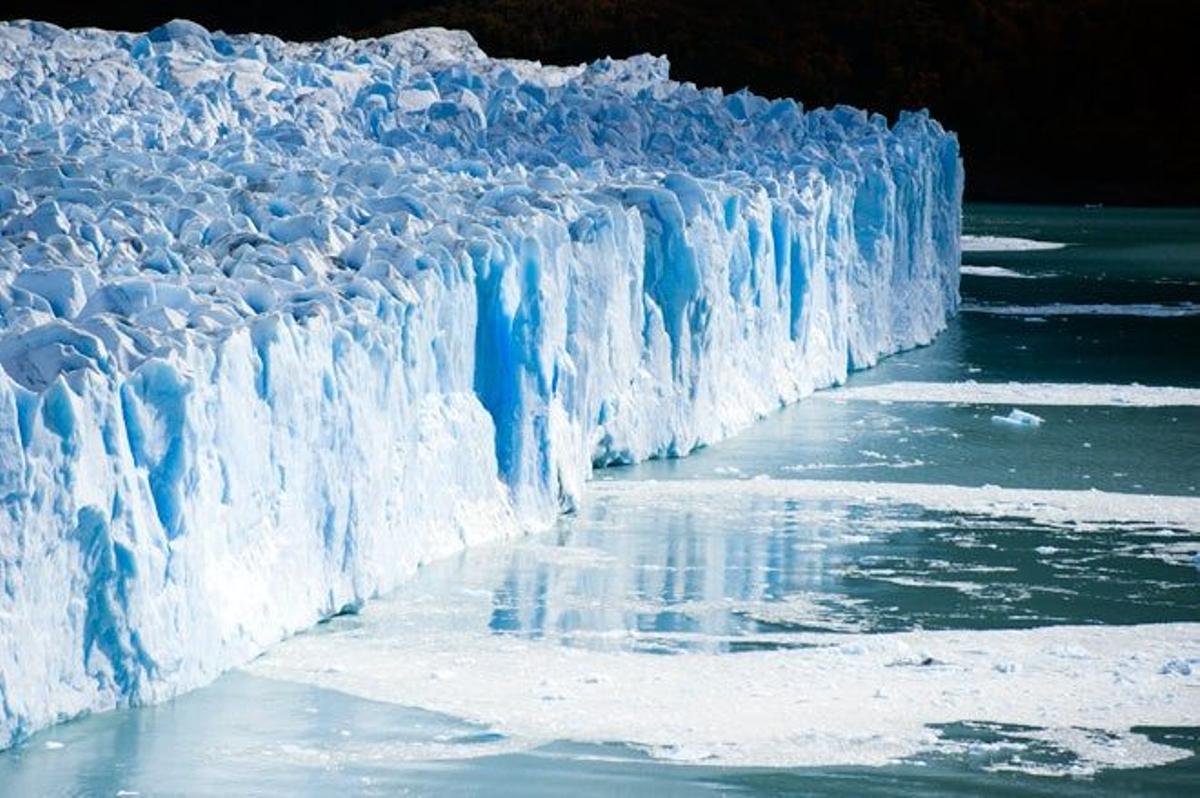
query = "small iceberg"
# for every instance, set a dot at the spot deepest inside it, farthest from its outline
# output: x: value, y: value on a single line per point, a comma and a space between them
x: 1019, y: 418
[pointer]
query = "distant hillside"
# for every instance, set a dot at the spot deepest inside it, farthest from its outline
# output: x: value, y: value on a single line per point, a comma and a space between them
x: 1071, y: 101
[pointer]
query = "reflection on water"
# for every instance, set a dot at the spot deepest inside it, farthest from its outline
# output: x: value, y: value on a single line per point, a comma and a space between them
x: 658, y: 580
x: 722, y: 574
x: 738, y: 572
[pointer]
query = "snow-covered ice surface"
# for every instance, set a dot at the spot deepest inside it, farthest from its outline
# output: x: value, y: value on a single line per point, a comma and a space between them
x: 1029, y: 393
x: 279, y: 322
x: 871, y: 699
x: 992, y: 243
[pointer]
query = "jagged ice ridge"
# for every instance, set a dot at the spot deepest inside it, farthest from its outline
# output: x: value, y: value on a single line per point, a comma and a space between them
x: 279, y: 321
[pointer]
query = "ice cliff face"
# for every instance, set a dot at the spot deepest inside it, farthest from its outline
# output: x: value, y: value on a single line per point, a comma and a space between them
x: 279, y: 322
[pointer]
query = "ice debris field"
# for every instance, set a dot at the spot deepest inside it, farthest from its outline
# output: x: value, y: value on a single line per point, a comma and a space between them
x: 280, y: 322
x: 662, y: 616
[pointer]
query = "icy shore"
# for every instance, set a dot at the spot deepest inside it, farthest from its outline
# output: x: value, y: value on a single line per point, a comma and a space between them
x: 279, y: 322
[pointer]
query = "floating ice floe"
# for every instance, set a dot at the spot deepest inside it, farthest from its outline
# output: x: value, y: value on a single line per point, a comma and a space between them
x: 1079, y: 509
x: 996, y: 271
x: 1066, y: 309
x: 827, y: 697
x: 841, y: 699
x: 1028, y: 393
x: 982, y: 243
x: 1019, y: 418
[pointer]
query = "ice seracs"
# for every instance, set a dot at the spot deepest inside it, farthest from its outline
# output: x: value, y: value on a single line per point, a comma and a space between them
x: 280, y: 321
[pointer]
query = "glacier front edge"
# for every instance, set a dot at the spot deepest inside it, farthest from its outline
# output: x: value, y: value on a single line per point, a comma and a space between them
x: 279, y: 322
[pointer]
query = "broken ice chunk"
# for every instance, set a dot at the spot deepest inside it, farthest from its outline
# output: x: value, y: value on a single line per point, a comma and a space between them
x: 1019, y: 418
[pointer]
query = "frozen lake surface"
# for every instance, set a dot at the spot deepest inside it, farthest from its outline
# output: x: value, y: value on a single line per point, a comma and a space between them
x: 879, y: 589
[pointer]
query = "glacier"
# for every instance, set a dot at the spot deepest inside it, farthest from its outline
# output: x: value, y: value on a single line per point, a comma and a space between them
x: 280, y: 322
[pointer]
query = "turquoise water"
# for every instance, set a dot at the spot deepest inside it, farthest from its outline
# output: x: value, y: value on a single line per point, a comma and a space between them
x: 731, y: 573
x: 213, y: 743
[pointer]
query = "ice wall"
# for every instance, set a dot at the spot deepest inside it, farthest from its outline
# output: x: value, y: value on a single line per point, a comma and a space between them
x: 279, y: 322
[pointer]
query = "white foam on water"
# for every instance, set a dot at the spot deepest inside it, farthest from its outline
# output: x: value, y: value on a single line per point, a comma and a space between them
x: 1026, y: 393
x: 1067, y: 309
x: 966, y: 588
x: 973, y: 243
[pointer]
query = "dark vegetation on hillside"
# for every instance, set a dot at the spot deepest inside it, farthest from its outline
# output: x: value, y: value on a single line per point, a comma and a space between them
x: 1068, y: 101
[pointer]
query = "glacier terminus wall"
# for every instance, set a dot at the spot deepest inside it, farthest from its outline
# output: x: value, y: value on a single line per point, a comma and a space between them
x: 280, y: 322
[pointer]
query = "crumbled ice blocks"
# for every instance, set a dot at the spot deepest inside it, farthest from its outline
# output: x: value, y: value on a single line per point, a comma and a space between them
x: 1019, y: 418
x: 279, y: 322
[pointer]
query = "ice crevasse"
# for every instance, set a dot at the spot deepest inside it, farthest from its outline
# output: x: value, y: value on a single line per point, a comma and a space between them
x: 280, y: 321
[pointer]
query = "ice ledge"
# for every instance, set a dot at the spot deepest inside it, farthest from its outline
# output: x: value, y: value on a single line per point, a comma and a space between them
x: 279, y: 322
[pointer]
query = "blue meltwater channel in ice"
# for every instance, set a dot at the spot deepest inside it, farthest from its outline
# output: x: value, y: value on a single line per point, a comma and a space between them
x: 888, y: 587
